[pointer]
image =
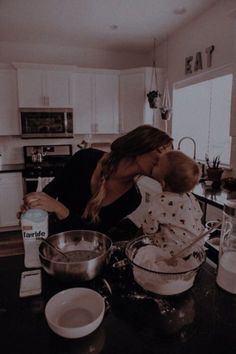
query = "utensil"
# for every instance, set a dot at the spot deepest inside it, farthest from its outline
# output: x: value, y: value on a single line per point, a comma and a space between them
x: 173, y: 259
x: 88, y: 252
x: 56, y: 249
x: 75, y: 312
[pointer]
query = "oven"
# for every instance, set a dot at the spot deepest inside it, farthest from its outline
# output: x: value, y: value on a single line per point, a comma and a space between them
x: 42, y: 164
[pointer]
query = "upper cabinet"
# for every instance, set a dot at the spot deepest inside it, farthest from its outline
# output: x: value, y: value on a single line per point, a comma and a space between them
x: 44, y: 86
x: 9, y: 122
x: 96, y: 102
x: 134, y: 107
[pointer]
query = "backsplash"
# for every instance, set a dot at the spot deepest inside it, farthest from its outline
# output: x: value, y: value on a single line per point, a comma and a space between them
x: 11, y: 147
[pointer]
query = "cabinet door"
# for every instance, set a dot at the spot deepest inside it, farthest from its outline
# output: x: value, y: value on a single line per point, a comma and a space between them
x: 44, y: 88
x: 58, y: 89
x: 31, y: 88
x: 132, y: 98
x: 106, y: 118
x: 83, y: 103
x: 9, y: 122
x: 11, y: 195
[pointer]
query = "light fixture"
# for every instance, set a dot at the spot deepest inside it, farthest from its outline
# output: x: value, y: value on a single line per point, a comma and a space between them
x: 114, y: 27
x: 179, y: 10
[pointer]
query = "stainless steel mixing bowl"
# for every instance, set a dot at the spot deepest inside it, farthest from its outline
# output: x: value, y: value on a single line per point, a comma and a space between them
x: 88, y: 252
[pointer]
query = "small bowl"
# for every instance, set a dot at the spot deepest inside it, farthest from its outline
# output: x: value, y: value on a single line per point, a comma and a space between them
x: 143, y: 254
x: 75, y: 312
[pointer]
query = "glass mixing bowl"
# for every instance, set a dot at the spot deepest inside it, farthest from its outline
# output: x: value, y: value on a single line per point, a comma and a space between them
x: 145, y: 252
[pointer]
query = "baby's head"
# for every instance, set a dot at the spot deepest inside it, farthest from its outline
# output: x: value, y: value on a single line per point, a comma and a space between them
x: 176, y: 172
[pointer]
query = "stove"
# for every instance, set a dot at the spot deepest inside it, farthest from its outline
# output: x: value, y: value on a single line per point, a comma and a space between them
x: 53, y: 159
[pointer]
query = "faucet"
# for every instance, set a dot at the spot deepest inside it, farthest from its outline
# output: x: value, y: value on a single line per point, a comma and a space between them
x: 194, y: 145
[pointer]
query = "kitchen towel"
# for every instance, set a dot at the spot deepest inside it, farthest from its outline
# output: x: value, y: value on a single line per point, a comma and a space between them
x: 42, y: 182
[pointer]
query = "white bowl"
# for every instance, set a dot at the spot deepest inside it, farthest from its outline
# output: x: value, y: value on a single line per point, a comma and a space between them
x: 75, y: 312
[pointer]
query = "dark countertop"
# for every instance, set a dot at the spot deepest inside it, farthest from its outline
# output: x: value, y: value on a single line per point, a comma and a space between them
x: 202, y: 320
x: 12, y: 168
x: 215, y: 197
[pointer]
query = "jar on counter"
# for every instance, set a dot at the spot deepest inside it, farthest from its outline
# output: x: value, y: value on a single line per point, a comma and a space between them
x: 226, y: 272
x: 34, y: 225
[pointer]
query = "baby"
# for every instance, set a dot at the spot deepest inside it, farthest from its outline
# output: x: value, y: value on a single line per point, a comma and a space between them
x: 175, y: 214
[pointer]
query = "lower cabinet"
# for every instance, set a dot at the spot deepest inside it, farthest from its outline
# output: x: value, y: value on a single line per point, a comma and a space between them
x: 11, y: 195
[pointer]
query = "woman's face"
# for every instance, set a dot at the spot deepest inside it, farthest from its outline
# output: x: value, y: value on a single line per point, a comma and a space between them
x: 147, y: 161
x: 158, y: 170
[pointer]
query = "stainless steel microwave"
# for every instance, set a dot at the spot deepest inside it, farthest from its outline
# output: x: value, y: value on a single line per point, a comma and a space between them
x: 46, y: 123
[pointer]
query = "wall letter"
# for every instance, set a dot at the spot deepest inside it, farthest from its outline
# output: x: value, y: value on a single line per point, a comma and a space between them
x: 209, y: 52
x: 198, y: 61
x: 188, y: 66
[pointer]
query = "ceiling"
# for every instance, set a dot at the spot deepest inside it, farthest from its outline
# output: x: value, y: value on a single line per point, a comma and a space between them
x: 123, y: 25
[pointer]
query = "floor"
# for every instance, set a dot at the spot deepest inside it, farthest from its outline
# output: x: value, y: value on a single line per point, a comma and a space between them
x: 11, y: 243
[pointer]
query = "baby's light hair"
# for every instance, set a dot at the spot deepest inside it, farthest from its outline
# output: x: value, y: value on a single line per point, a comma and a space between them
x: 181, y: 174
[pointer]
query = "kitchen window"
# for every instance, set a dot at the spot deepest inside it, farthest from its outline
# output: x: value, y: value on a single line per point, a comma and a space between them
x: 202, y: 111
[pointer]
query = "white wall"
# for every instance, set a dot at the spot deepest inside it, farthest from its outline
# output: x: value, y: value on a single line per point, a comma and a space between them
x: 11, y: 147
x: 213, y: 27
x: 82, y: 57
x: 216, y: 26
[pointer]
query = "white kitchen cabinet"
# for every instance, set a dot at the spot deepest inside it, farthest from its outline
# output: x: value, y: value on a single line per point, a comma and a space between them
x: 44, y: 88
x: 11, y: 195
x: 134, y: 106
x: 83, y: 103
x: 96, y: 102
x: 9, y: 122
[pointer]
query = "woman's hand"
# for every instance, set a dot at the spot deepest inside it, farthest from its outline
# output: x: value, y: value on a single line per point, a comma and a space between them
x: 42, y: 200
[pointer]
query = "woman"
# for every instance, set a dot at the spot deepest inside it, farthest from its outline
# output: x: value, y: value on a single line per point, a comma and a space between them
x: 96, y: 189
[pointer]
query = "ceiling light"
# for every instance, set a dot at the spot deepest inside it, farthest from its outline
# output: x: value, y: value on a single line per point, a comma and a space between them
x: 114, y: 27
x: 179, y: 10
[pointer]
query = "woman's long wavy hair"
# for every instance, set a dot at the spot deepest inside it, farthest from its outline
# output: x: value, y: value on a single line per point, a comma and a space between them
x: 141, y: 140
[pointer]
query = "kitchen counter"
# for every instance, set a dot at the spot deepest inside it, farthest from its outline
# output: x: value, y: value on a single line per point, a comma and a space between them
x: 214, y: 197
x: 12, y: 168
x: 202, y: 320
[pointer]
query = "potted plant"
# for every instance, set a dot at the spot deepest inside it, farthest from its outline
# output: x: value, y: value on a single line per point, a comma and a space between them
x: 213, y: 170
x: 154, y: 99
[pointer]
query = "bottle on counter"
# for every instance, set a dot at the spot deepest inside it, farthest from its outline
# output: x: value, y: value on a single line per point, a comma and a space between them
x: 226, y: 272
x: 34, y: 226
